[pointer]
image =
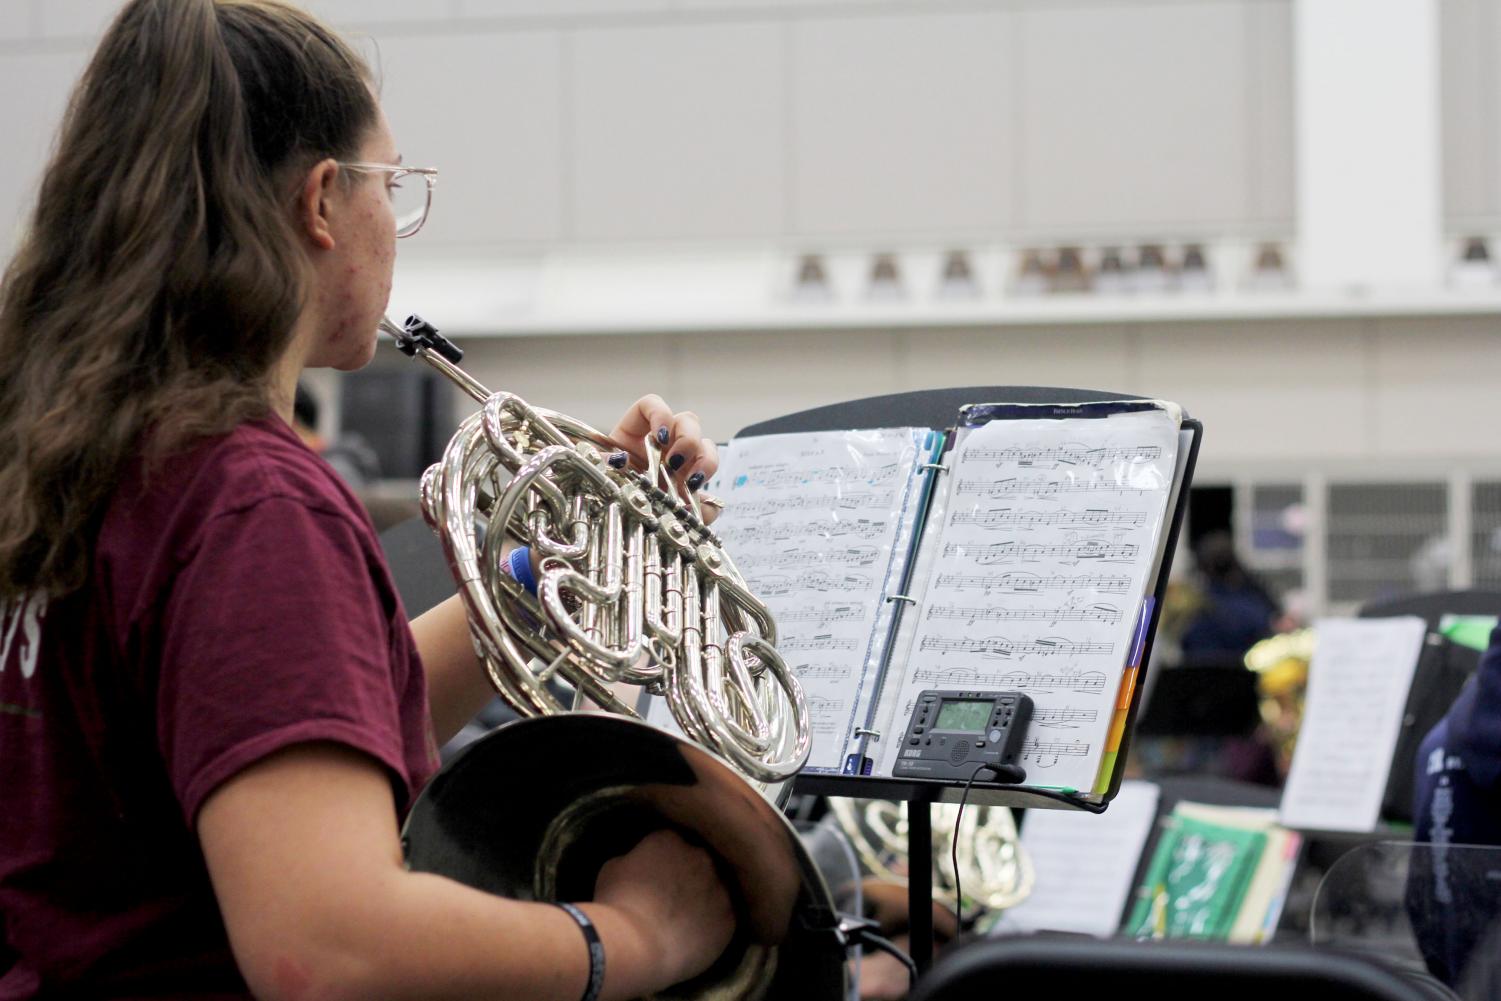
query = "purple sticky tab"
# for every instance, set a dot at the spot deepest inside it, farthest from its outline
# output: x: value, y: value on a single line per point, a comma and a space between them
x: 1142, y: 622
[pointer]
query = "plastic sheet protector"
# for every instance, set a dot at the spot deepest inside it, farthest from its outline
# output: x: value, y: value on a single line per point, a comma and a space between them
x: 1035, y: 576
x: 818, y: 524
x: 1018, y: 552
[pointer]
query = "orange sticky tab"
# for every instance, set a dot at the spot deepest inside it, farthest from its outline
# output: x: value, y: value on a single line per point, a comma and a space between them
x: 1128, y: 687
x: 1117, y: 731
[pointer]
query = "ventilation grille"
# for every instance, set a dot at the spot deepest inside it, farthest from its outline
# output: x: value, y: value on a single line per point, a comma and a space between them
x: 1387, y: 539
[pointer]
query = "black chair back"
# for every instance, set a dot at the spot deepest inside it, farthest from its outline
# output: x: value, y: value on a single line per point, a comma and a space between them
x: 1073, y: 967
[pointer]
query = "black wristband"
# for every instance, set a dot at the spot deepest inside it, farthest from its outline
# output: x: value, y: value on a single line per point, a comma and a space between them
x: 596, y: 952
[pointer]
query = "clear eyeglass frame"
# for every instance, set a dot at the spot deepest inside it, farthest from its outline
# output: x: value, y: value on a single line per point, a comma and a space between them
x: 408, y: 221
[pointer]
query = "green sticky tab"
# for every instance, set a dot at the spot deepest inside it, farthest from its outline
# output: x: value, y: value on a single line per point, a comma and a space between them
x: 1473, y: 631
x: 1107, y: 769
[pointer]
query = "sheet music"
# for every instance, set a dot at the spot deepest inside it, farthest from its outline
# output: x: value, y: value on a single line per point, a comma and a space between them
x: 1085, y: 864
x: 1357, y: 691
x: 1049, y: 531
x: 817, y: 523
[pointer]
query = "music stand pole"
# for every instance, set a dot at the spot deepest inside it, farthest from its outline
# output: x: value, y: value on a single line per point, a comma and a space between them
x: 920, y: 881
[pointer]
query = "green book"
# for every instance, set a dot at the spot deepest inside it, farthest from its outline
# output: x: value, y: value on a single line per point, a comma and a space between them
x: 1196, y: 881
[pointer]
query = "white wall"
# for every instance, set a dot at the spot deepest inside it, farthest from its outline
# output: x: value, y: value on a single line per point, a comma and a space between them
x: 803, y: 122
x: 589, y: 121
x: 1366, y: 396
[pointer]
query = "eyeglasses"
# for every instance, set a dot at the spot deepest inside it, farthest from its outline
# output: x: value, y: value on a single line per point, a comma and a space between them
x: 410, y: 201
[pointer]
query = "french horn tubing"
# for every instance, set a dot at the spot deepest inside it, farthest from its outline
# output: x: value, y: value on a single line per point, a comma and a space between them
x: 633, y: 586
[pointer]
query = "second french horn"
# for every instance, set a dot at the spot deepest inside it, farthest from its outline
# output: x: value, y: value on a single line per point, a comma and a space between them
x: 994, y: 870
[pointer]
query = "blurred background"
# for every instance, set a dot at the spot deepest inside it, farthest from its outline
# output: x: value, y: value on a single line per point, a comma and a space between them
x: 758, y: 206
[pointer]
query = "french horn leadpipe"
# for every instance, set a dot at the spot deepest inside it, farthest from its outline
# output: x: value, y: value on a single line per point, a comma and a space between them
x: 633, y: 588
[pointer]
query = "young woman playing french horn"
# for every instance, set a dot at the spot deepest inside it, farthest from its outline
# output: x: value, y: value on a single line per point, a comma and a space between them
x: 213, y: 711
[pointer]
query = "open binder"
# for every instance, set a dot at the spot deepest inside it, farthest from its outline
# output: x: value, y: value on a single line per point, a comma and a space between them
x: 1021, y: 544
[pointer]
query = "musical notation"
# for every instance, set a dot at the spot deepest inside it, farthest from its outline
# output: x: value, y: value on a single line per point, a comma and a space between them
x: 827, y: 612
x: 1016, y: 552
x: 1108, y: 614
x: 1063, y: 718
x: 860, y: 556
x: 813, y: 580
x: 780, y: 475
x: 1046, y: 753
x: 844, y: 501
x: 860, y: 528
x: 1018, y: 582
x: 815, y: 521
x: 825, y: 641
x: 1012, y: 486
x: 1084, y: 682
x: 1063, y: 455
x: 827, y: 715
x: 821, y: 672
x: 1000, y: 646
x: 1020, y: 518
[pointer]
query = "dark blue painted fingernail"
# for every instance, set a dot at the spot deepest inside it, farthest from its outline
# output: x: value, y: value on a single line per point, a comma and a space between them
x: 676, y: 462
x: 663, y: 436
x: 618, y: 460
x: 695, y: 481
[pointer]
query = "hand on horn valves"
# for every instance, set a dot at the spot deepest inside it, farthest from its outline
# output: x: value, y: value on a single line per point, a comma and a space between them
x: 691, y: 458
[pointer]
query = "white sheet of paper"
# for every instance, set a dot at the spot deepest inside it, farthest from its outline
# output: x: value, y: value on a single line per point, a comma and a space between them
x: 1085, y: 864
x: 1035, y: 576
x: 1357, y: 689
x: 818, y: 524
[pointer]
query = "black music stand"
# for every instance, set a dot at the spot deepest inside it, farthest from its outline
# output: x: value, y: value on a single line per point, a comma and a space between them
x: 939, y: 408
x: 1443, y: 667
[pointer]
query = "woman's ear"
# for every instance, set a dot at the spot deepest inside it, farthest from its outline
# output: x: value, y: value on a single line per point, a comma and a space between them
x: 314, y: 197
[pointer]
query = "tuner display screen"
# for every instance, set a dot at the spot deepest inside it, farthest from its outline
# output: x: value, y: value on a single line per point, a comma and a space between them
x: 968, y: 714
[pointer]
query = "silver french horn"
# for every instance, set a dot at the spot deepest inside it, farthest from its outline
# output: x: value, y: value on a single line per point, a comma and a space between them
x: 633, y: 589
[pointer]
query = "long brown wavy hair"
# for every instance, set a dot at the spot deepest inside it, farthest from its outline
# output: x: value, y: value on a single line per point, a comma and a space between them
x: 160, y: 277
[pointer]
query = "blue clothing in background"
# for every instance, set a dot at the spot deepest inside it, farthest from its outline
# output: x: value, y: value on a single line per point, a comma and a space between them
x: 1457, y: 798
x: 1457, y: 801
x: 1233, y: 619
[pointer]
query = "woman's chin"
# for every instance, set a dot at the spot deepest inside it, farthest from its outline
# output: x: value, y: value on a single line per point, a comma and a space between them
x: 347, y: 352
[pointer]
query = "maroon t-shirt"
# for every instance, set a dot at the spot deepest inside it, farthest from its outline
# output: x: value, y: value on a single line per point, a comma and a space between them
x: 239, y: 603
